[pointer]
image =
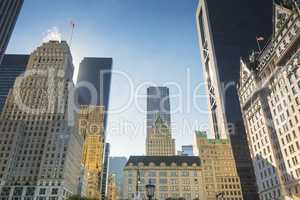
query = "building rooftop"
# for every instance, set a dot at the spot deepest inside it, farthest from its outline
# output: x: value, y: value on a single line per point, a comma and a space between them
x: 203, y: 135
x: 168, y: 160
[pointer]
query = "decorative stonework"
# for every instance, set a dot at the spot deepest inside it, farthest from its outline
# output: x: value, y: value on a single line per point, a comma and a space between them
x: 270, y: 109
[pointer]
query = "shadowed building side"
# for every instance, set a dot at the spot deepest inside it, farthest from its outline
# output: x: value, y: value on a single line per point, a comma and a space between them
x: 94, y: 78
x: 227, y: 31
x: 269, y: 91
x: 104, y: 175
x: 9, y: 11
x: 158, y: 103
x: 11, y: 67
x: 40, y: 146
x: 116, y: 165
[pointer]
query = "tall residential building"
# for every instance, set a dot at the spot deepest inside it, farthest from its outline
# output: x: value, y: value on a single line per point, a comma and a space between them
x: 158, y: 103
x: 9, y: 10
x: 91, y: 127
x: 116, y: 166
x: 159, y: 140
x: 40, y: 152
x: 12, y: 66
x: 104, y: 175
x: 93, y: 82
x: 269, y: 92
x: 174, y: 177
x: 220, y: 177
x: 223, y: 39
x: 112, y: 188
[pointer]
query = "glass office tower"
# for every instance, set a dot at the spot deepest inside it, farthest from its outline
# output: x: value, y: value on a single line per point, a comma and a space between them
x: 158, y: 104
x: 228, y: 30
x: 12, y: 66
x: 9, y: 11
x: 95, y: 72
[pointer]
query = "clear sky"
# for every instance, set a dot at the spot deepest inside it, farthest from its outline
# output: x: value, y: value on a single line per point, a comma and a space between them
x: 149, y: 40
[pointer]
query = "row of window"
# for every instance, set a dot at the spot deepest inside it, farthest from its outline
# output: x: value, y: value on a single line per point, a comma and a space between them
x: 164, y: 173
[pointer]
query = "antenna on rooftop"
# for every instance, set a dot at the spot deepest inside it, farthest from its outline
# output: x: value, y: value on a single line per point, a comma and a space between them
x: 72, y: 32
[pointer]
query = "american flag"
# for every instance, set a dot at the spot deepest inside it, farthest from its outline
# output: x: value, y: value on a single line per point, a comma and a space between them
x: 260, y: 38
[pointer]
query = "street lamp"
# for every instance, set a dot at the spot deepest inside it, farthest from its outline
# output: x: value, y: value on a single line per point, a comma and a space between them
x: 150, y: 189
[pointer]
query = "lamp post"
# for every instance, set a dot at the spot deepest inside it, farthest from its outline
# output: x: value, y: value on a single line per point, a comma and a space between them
x: 150, y: 189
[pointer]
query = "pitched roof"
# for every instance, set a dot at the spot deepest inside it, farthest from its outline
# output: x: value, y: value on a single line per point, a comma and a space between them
x: 168, y: 160
x: 159, y: 122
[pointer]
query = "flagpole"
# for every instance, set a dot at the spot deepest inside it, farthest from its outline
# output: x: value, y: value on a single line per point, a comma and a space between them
x: 259, y: 48
x: 72, y: 32
x: 297, y: 7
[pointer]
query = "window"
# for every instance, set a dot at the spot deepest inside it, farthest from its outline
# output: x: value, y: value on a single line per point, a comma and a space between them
x: 163, y: 188
x: 195, y: 173
x: 54, y: 191
x: 152, y: 174
x: 164, y: 174
x: 129, y: 181
x: 202, y: 30
x: 184, y: 173
x: 163, y: 181
x: 174, y: 173
x: 152, y: 181
x: 42, y: 191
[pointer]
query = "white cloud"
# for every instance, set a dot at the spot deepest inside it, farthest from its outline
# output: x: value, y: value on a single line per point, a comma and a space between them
x: 52, y: 34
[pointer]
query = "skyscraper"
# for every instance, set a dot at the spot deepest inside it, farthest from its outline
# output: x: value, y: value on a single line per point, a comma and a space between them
x: 91, y: 127
x: 269, y: 92
x: 93, y: 89
x: 12, y: 66
x: 9, y: 10
x: 112, y: 188
x: 159, y: 140
x: 96, y: 73
x: 40, y: 151
x: 158, y: 103
x: 218, y: 168
x: 227, y: 31
x: 116, y: 165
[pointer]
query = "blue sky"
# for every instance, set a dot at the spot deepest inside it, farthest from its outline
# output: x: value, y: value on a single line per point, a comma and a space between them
x: 149, y: 40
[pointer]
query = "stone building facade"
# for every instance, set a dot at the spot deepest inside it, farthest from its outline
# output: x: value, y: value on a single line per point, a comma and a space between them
x: 112, y: 188
x: 269, y: 92
x: 159, y: 140
x: 40, y: 149
x: 91, y: 127
x: 220, y: 177
x: 173, y: 177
